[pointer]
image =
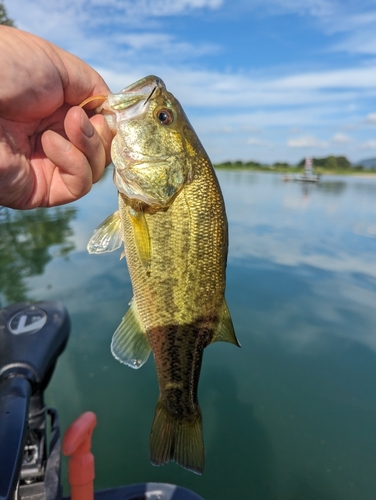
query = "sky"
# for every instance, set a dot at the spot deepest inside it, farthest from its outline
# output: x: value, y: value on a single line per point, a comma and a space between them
x: 261, y: 80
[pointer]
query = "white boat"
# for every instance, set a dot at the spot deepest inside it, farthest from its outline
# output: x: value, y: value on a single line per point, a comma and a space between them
x: 308, y: 176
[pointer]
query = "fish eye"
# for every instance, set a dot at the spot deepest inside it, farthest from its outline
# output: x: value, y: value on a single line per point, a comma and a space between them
x: 165, y: 116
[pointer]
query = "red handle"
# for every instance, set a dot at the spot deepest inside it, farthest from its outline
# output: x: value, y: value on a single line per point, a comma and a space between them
x: 77, y: 444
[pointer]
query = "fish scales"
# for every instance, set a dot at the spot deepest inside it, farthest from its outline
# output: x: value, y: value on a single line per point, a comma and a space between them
x: 176, y: 253
x: 186, y: 279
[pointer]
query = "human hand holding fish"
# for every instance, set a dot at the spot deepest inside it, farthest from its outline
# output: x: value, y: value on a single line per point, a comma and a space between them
x: 51, y: 152
x: 172, y: 222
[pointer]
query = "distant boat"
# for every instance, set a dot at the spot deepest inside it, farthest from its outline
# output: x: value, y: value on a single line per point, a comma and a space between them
x: 308, y: 176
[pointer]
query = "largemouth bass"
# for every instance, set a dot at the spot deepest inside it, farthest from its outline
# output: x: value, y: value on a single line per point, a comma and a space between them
x: 172, y: 221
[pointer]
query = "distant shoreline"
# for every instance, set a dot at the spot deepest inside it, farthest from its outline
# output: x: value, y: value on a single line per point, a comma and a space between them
x: 329, y: 165
x: 296, y: 170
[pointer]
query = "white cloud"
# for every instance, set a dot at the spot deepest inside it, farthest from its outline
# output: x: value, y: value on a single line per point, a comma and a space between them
x: 346, y: 78
x: 371, y: 118
x: 306, y: 142
x: 163, y: 44
x: 255, y: 141
x: 215, y: 89
x: 362, y: 43
x: 340, y: 139
x: 140, y: 41
x: 369, y: 144
x: 316, y: 8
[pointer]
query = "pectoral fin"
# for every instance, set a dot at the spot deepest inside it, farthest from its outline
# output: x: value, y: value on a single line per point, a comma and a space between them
x: 141, y: 236
x: 129, y: 343
x: 225, y: 329
x: 107, y: 236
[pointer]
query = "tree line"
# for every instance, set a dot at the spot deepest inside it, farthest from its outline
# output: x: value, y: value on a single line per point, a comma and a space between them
x: 328, y: 163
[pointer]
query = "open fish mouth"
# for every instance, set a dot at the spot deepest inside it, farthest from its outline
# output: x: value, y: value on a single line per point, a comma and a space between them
x: 145, y: 86
x: 131, y: 102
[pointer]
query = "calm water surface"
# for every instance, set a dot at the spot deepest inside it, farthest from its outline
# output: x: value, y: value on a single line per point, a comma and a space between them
x: 290, y: 415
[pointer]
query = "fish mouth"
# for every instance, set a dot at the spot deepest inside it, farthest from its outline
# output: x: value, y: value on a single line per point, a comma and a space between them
x: 132, y: 101
x: 145, y: 86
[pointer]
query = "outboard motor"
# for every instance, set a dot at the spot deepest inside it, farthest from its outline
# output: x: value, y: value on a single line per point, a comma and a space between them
x: 32, y: 336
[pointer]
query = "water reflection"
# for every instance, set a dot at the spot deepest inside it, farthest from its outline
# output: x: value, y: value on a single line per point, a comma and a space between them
x: 241, y: 468
x: 238, y: 177
x: 332, y: 187
x: 366, y: 187
x: 25, y: 246
x: 307, y: 188
x: 293, y: 225
x: 318, y: 488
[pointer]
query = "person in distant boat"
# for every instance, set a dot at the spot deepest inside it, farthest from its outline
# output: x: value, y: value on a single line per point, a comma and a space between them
x: 51, y: 151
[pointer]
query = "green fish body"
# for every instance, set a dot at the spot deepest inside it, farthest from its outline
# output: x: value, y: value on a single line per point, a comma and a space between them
x: 172, y: 221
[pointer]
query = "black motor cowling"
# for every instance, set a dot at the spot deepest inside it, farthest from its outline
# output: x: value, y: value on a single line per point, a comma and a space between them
x: 32, y: 336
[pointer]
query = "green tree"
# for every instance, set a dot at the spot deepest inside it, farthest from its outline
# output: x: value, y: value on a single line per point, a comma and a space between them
x: 343, y: 162
x: 331, y: 163
x: 4, y: 19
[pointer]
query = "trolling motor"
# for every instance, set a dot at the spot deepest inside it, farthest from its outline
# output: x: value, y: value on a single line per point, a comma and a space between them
x: 32, y: 336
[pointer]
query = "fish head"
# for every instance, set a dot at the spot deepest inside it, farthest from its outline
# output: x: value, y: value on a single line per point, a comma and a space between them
x: 155, y: 149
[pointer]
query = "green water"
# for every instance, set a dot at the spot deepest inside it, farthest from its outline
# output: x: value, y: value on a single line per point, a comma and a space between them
x: 290, y: 415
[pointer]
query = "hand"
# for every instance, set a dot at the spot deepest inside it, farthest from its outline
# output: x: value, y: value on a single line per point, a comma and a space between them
x: 51, y: 151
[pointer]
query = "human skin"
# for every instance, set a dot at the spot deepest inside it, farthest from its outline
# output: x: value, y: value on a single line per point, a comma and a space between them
x: 51, y: 150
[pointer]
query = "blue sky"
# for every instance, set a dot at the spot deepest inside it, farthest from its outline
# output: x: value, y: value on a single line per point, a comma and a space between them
x: 264, y: 80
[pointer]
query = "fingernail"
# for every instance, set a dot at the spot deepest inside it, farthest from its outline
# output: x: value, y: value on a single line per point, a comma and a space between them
x: 86, y: 126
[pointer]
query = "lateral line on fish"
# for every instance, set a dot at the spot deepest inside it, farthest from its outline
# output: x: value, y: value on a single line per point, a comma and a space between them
x: 190, y: 224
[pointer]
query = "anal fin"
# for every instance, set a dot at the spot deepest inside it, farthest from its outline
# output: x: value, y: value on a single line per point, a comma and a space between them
x: 129, y: 342
x: 225, y: 330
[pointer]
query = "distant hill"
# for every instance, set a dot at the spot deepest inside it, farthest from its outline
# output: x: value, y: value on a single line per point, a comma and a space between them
x: 367, y: 163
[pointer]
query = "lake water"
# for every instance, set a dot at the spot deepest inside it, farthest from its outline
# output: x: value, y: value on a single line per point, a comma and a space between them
x: 290, y: 415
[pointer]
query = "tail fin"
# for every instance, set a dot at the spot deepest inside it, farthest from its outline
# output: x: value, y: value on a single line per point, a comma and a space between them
x: 173, y: 439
